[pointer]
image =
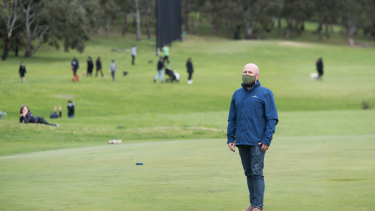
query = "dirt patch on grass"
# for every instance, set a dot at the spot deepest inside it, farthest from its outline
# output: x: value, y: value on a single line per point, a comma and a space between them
x: 294, y: 44
x: 65, y: 96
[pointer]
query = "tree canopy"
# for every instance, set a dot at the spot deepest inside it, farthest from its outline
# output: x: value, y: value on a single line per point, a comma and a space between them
x: 28, y: 24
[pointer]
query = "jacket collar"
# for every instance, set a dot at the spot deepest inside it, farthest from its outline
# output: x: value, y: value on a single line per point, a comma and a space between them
x: 256, y: 85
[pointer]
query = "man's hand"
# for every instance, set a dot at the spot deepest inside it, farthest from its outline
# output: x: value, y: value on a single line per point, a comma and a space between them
x: 264, y: 147
x: 232, y: 146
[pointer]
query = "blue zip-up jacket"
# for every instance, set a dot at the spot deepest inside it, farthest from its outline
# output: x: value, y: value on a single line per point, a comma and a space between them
x: 252, y: 116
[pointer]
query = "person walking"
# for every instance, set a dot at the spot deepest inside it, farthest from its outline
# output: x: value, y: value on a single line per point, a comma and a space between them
x: 190, y: 70
x: 113, y: 68
x: 166, y: 54
x: 134, y: 54
x: 90, y: 66
x: 160, y: 73
x: 319, y: 67
x: 99, y: 67
x: 22, y: 72
x: 75, y: 66
x: 252, y: 122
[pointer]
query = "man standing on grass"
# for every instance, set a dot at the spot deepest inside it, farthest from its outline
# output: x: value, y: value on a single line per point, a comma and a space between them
x: 251, y: 125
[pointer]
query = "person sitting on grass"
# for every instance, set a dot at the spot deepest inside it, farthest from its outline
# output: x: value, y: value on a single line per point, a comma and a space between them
x: 70, y: 109
x: 27, y: 117
x: 54, y: 115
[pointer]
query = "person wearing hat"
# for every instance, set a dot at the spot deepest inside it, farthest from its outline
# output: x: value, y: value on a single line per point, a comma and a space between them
x: 251, y: 124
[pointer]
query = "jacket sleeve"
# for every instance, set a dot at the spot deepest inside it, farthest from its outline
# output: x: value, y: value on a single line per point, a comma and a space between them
x: 21, y: 119
x: 231, y: 130
x: 272, y: 118
x: 27, y: 118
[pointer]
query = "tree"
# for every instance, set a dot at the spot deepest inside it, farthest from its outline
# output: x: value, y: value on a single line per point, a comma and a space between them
x: 327, y: 12
x: 69, y: 23
x: 296, y: 12
x: 9, y: 15
x: 354, y: 16
x: 138, y: 20
x: 108, y: 11
x: 35, y: 25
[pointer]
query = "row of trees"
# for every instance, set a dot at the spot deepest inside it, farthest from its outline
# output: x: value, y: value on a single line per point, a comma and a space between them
x: 28, y: 24
x: 256, y: 16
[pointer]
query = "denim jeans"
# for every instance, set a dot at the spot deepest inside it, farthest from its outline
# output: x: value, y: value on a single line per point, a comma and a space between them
x: 160, y: 75
x: 113, y: 75
x: 253, y: 162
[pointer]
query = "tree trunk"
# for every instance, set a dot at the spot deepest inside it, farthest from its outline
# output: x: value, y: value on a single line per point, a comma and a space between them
x: 320, y: 29
x: 10, y: 23
x: 248, y: 30
x: 288, y: 28
x: 148, y: 25
x: 327, y: 30
x: 125, y: 25
x: 28, y: 33
x: 351, y: 29
x: 28, y: 49
x: 138, y: 20
x: 6, y: 48
x: 279, y: 25
x: 108, y: 24
x: 186, y: 15
x: 16, y: 50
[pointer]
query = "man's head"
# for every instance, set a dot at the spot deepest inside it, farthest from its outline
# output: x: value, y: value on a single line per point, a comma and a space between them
x: 250, y: 74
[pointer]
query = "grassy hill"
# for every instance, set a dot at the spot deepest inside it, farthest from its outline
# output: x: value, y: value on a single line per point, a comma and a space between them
x: 322, y: 149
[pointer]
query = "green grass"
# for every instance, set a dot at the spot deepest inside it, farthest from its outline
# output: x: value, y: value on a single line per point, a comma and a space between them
x: 302, y: 173
x: 321, y: 158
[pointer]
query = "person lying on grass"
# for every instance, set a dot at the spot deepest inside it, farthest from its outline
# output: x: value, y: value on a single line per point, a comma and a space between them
x: 27, y: 117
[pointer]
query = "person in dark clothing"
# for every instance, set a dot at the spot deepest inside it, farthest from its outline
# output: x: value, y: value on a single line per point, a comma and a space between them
x: 160, y: 73
x: 75, y: 66
x: 134, y: 53
x: 99, y: 67
x: 22, y: 72
x: 90, y: 66
x: 70, y: 109
x: 319, y: 67
x: 190, y: 70
x: 27, y: 117
x: 54, y: 115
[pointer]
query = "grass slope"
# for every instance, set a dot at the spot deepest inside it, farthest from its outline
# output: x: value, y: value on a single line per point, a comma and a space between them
x: 321, y: 157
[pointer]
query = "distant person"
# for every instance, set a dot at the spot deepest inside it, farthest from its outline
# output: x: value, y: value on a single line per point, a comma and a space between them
x: 166, y: 54
x: 251, y: 124
x: 134, y: 54
x: 54, y: 115
x: 113, y: 69
x: 190, y: 70
x: 70, y: 107
x: 99, y: 67
x: 22, y: 72
x: 75, y: 66
x: 319, y: 67
x: 27, y: 117
x: 90, y: 66
x: 159, y: 68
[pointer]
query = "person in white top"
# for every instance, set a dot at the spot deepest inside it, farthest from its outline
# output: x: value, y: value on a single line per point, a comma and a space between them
x: 113, y: 69
x: 134, y: 53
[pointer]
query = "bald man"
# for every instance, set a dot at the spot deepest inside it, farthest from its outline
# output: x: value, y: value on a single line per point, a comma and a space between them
x: 251, y: 124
